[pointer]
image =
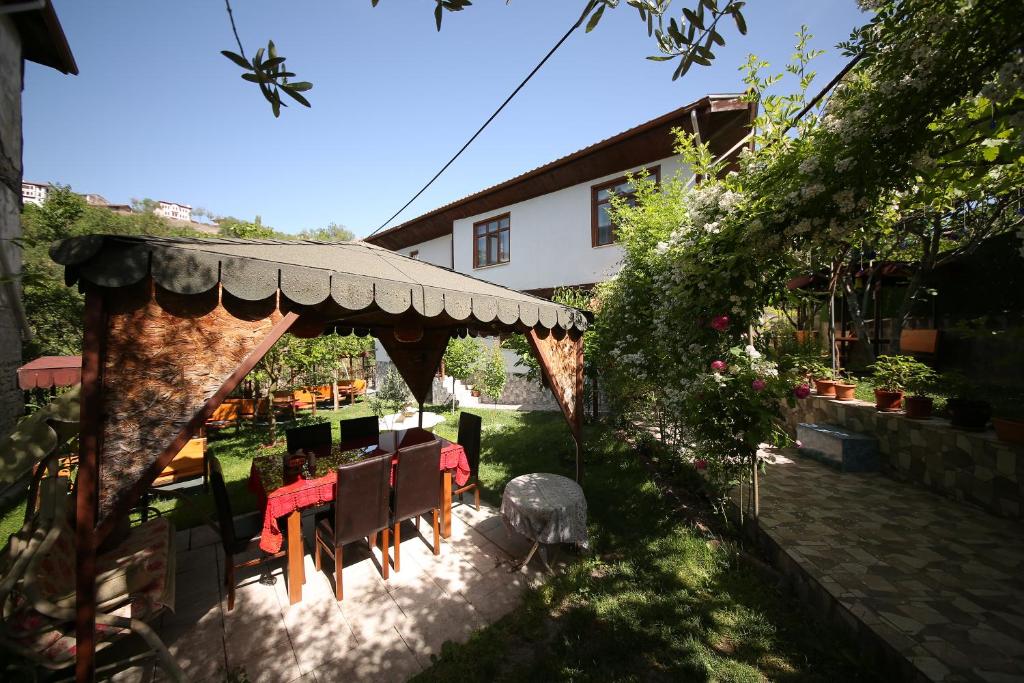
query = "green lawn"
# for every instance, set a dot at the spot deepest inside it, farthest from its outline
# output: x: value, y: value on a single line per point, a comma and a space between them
x: 655, y: 600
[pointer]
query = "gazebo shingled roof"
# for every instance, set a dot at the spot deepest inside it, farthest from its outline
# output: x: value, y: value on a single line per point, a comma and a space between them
x: 172, y: 325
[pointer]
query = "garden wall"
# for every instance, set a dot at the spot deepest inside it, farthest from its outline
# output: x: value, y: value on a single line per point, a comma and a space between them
x: 971, y: 466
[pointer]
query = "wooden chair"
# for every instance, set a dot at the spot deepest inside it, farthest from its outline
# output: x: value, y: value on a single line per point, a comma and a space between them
x: 309, y: 438
x: 359, y: 428
x: 236, y: 535
x: 302, y: 399
x: 417, y: 491
x: 322, y: 393
x: 469, y: 439
x: 361, y: 510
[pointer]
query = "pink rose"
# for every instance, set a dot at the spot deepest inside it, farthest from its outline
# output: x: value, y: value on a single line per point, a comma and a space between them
x: 700, y: 464
x: 720, y: 323
x: 718, y: 365
x: 801, y: 391
x: 758, y: 384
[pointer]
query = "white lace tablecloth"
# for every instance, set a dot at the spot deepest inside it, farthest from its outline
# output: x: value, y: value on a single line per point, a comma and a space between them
x: 547, y: 508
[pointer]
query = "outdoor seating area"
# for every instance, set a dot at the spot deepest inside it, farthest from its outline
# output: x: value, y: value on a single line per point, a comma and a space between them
x: 732, y: 391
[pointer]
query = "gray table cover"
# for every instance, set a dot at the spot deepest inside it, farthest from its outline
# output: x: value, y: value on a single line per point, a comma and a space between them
x: 547, y: 508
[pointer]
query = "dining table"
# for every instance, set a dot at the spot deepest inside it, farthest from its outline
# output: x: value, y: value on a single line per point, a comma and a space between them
x: 286, y: 495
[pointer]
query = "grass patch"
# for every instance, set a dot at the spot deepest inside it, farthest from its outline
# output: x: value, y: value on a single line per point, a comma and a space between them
x: 655, y: 600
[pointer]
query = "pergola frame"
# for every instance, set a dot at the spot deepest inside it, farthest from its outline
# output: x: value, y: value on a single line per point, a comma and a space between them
x: 157, y: 362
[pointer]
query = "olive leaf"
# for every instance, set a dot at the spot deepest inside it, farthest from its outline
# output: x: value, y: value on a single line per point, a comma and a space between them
x: 271, y: 77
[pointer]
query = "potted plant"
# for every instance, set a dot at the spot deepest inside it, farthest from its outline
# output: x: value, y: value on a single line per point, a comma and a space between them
x: 892, y: 375
x: 1010, y: 422
x: 918, y: 405
x: 967, y: 409
x: 824, y: 379
x: 845, y: 386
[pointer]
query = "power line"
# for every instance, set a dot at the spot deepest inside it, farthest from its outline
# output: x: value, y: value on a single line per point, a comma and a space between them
x: 486, y: 123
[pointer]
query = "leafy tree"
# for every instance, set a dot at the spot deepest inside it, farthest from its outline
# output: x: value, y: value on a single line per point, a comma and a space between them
x: 229, y: 226
x: 491, y: 373
x: 144, y: 205
x: 332, y: 233
x: 392, y: 395
x: 55, y: 310
x: 461, y: 358
x: 687, y: 37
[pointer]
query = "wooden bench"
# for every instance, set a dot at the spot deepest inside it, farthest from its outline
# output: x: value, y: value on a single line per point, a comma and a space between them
x: 189, y: 463
x: 920, y: 343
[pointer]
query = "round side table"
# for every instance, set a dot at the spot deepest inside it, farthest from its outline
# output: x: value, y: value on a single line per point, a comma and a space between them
x: 548, y: 509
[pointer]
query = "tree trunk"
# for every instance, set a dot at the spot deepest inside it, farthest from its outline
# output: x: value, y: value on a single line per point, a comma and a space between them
x: 931, y: 252
x: 857, y: 316
x: 271, y: 418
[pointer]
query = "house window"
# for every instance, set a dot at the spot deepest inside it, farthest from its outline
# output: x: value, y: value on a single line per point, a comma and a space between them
x: 602, y: 230
x: 491, y: 241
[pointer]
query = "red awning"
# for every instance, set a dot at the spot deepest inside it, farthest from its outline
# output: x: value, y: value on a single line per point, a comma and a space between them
x: 51, y: 371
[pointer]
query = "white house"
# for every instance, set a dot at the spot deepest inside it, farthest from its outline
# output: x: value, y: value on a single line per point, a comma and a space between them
x: 549, y: 227
x: 34, y: 193
x: 174, y: 211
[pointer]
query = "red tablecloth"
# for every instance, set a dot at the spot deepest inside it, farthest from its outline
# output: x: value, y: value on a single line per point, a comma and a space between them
x: 320, y: 491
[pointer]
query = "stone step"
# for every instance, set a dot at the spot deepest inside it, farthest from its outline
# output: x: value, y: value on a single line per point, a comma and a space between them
x: 835, y: 446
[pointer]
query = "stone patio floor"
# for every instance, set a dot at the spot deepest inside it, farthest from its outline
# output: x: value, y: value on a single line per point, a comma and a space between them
x: 381, y: 631
x: 940, y: 581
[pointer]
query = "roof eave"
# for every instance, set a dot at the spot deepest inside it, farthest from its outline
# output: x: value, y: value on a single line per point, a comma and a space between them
x: 42, y: 38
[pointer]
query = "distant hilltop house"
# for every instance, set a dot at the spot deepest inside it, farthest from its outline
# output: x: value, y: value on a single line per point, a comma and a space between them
x: 174, y: 211
x: 550, y: 227
x: 34, y: 193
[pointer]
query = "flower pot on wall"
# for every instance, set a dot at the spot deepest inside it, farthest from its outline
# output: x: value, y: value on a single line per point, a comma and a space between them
x: 918, y: 407
x: 475, y: 393
x: 825, y: 387
x: 1011, y: 431
x: 888, y: 401
x: 969, y: 414
x: 844, y: 392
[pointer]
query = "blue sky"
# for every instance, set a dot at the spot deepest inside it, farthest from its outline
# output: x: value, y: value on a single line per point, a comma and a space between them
x: 158, y: 112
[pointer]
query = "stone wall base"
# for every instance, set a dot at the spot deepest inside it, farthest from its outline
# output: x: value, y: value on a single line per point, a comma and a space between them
x: 968, y: 466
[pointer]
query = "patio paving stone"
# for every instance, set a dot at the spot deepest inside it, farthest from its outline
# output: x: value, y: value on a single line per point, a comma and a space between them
x: 381, y: 631
x: 939, y: 581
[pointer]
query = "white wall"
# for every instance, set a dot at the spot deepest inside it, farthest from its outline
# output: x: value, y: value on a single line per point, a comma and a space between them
x: 549, y: 240
x: 437, y: 251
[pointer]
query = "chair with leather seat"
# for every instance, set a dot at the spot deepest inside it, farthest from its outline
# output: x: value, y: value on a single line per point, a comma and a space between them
x: 315, y: 437
x: 359, y: 429
x: 417, y: 491
x: 361, y: 510
x: 469, y: 438
x: 236, y: 535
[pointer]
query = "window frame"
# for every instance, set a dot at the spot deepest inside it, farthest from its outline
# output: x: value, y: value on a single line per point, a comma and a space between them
x: 594, y: 203
x: 473, y: 237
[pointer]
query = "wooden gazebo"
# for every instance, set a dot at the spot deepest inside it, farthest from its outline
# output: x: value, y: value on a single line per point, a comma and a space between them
x: 172, y: 325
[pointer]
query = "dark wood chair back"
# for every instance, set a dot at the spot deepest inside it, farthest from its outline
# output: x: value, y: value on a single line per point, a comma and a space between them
x: 469, y: 438
x: 418, y: 480
x: 309, y: 438
x: 359, y: 428
x: 362, y: 499
x: 222, y: 503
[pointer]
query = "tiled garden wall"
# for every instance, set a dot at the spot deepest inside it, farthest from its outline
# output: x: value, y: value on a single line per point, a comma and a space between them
x: 971, y: 466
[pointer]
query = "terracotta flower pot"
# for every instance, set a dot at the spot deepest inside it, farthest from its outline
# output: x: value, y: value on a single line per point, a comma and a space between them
x: 918, y: 407
x: 475, y: 393
x: 1011, y: 431
x: 888, y: 401
x: 969, y: 414
x: 844, y: 392
x: 825, y: 387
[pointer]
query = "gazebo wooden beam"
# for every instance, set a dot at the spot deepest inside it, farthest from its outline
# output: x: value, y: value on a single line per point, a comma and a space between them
x: 87, y: 485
